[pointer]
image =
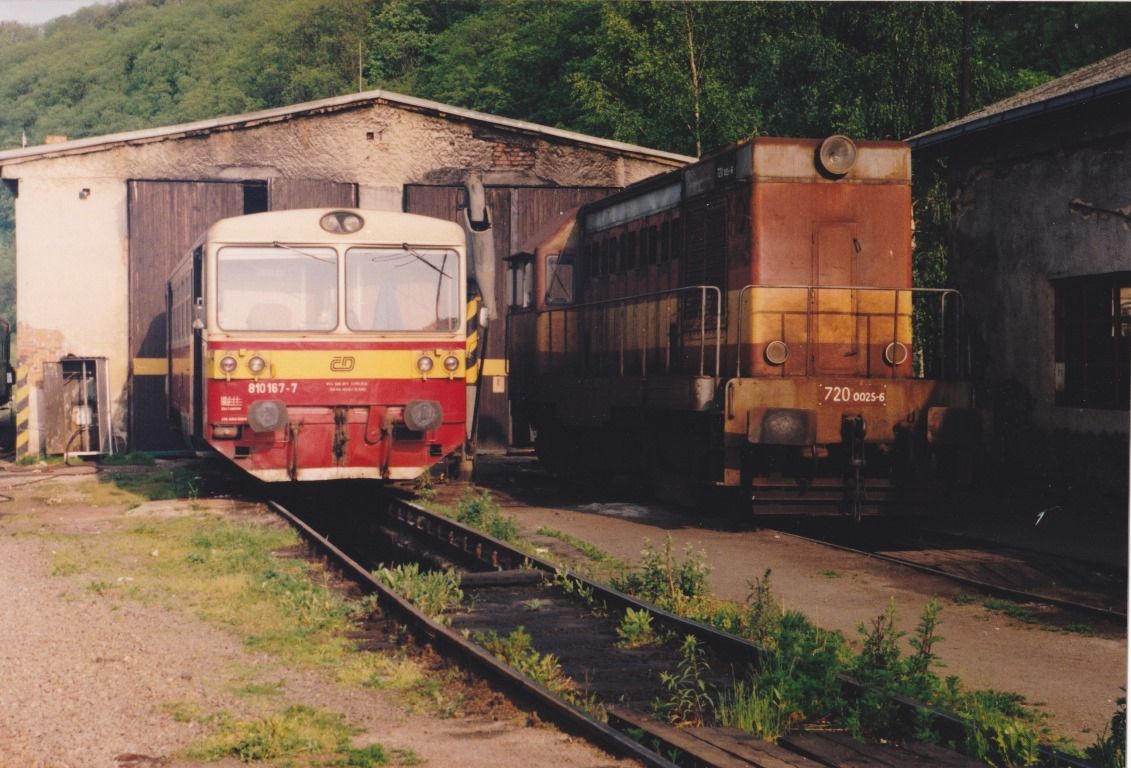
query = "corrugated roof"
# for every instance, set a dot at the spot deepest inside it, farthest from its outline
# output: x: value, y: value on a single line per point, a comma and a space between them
x: 325, y: 106
x: 1106, y: 77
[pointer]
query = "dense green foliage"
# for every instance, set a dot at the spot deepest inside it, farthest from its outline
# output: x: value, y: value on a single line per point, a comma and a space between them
x: 686, y: 77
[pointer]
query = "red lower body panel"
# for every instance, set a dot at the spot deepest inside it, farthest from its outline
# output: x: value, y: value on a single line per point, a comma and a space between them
x: 334, y: 429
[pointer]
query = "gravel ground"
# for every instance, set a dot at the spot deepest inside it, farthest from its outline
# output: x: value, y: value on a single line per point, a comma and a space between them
x: 88, y: 682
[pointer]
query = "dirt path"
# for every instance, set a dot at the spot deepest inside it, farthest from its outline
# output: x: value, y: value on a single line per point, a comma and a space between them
x: 91, y: 682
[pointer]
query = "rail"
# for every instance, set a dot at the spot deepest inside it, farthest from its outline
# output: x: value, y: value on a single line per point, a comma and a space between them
x: 634, y: 331
x: 927, y: 321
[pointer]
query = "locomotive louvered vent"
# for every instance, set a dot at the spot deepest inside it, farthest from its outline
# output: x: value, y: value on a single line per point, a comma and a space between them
x: 704, y: 263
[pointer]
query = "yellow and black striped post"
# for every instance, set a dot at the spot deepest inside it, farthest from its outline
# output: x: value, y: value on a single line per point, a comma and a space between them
x: 21, y: 403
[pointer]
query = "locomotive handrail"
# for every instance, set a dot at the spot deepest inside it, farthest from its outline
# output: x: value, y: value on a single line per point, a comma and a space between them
x: 945, y: 297
x: 625, y: 301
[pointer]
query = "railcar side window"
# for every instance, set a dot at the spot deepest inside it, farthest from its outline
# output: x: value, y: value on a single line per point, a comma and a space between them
x: 277, y: 288
x: 402, y: 289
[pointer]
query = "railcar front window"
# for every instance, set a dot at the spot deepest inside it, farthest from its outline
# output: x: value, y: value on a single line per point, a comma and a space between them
x: 277, y: 288
x: 402, y: 289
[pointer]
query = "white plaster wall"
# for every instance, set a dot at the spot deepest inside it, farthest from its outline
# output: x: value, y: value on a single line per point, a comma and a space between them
x: 72, y: 266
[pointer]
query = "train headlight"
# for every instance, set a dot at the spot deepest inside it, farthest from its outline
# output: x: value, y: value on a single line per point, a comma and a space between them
x: 777, y: 352
x: 342, y: 222
x: 256, y: 364
x: 267, y: 415
x: 424, y: 364
x: 451, y: 363
x: 895, y: 353
x: 227, y: 363
x: 423, y: 415
x: 837, y: 155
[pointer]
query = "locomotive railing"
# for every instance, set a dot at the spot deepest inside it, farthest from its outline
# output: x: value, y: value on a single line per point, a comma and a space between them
x: 923, y: 325
x: 635, y: 335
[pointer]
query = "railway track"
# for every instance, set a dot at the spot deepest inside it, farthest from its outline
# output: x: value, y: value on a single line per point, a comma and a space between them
x: 575, y: 620
x: 1081, y: 588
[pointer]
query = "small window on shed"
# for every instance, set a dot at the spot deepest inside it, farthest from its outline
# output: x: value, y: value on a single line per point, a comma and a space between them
x: 1093, y: 336
x: 519, y: 282
x: 254, y: 197
x: 559, y: 278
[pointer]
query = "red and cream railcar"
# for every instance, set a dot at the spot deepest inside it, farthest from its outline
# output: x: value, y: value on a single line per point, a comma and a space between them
x: 749, y: 321
x: 323, y: 344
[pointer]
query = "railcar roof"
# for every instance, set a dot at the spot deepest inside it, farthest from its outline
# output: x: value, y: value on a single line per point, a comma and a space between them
x: 303, y: 226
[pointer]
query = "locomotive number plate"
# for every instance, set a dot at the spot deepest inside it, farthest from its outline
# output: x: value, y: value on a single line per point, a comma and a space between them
x: 272, y: 387
x: 852, y: 394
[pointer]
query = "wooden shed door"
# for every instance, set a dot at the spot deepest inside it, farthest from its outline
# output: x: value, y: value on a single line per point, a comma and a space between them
x: 517, y: 213
x: 165, y: 219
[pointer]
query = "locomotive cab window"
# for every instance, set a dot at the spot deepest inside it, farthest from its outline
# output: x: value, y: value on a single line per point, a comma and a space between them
x: 277, y: 288
x: 402, y: 289
x: 559, y: 278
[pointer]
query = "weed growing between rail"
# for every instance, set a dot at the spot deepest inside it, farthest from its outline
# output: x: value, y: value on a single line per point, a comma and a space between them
x: 517, y: 650
x: 433, y: 592
x: 798, y: 678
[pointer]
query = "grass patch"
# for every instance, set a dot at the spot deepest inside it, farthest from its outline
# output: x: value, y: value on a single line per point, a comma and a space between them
x: 1012, y: 610
x: 299, y: 735
x: 133, y: 458
x: 596, y: 554
x: 182, y: 482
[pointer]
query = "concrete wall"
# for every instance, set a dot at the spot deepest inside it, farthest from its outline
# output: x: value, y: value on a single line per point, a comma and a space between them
x: 1028, y: 214
x: 71, y: 244
x: 1020, y: 225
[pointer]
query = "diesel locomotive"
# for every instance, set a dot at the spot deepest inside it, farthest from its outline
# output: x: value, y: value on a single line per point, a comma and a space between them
x: 324, y: 344
x: 747, y: 322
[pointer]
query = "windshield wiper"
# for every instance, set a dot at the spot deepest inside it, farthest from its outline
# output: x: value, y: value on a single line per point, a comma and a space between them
x: 413, y: 253
x: 314, y: 256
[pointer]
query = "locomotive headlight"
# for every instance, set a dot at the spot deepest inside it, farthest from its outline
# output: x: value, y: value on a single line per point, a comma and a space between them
x: 267, y: 415
x: 341, y: 222
x: 227, y: 363
x: 777, y: 352
x: 895, y: 353
x: 451, y: 363
x: 424, y: 364
x: 256, y: 364
x: 423, y: 415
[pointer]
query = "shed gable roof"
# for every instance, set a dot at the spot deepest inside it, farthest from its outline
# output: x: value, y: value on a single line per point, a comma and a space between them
x: 1106, y: 77
x: 327, y: 106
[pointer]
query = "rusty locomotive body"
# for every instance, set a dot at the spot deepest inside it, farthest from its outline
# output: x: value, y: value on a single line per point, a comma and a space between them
x: 324, y: 344
x: 748, y: 321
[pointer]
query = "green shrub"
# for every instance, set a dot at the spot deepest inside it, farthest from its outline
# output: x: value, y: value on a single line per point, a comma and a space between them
x: 679, y: 587
x: 481, y: 512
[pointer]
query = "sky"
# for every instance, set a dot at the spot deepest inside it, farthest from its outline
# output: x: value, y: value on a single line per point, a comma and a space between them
x: 39, y: 11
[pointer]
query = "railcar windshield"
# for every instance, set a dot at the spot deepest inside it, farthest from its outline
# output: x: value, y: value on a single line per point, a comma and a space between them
x: 402, y: 289
x: 277, y: 288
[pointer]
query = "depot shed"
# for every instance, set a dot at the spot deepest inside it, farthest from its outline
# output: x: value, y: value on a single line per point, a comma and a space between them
x: 1041, y: 250
x: 100, y: 222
